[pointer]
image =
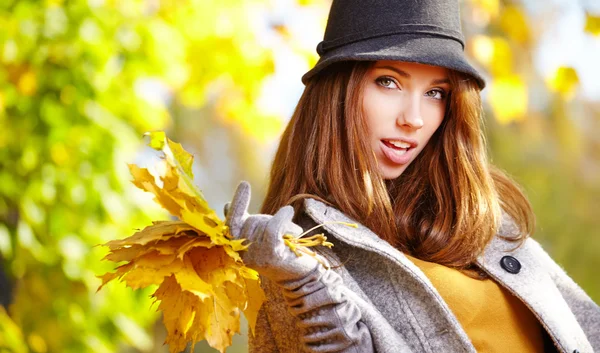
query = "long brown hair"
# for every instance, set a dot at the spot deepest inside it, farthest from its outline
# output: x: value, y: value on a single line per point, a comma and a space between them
x: 444, y: 208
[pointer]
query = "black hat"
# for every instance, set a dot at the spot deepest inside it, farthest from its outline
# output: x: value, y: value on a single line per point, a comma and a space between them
x: 421, y: 31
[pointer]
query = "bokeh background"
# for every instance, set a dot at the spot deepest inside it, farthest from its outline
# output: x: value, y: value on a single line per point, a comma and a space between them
x: 82, y: 80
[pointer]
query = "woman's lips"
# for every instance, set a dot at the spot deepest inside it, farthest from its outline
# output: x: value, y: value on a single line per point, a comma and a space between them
x: 395, y: 154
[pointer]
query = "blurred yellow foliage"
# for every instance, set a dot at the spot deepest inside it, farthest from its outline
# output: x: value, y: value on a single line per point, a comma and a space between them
x: 59, y: 154
x: 592, y: 24
x: 491, y: 7
x: 508, y: 98
x: 67, y: 94
x: 27, y: 84
x: 482, y: 48
x: 309, y: 2
x: 514, y: 23
x: 37, y: 343
x: 239, y: 111
x: 11, y: 337
x: 494, y: 53
x: 564, y: 81
x: 264, y: 128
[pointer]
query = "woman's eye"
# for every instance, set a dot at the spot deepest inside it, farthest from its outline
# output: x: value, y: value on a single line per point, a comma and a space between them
x: 386, y: 82
x: 436, y: 94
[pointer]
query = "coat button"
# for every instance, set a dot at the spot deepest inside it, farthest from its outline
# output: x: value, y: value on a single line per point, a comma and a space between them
x: 510, y: 264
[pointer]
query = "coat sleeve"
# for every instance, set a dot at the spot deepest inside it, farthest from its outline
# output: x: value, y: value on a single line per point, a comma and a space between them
x: 312, y: 314
x: 583, y: 307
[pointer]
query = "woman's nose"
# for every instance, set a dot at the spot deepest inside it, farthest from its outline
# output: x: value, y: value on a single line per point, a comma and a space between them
x: 410, y: 113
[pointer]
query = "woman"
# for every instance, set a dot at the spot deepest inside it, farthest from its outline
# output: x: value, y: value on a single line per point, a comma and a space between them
x: 387, y: 136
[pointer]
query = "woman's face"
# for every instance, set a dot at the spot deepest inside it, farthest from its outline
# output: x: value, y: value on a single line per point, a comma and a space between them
x: 403, y: 103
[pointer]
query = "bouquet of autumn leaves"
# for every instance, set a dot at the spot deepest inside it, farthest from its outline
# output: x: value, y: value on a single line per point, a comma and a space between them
x: 202, y: 282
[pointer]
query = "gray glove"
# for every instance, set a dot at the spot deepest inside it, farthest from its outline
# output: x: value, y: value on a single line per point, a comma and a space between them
x: 267, y: 252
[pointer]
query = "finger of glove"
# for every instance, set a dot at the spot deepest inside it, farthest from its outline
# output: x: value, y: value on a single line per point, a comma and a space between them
x: 291, y: 228
x: 238, y: 209
x: 281, y: 223
x: 258, y: 250
x: 254, y: 226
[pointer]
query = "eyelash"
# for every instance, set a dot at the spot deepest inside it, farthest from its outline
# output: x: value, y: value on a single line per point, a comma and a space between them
x: 440, y: 91
x: 381, y: 79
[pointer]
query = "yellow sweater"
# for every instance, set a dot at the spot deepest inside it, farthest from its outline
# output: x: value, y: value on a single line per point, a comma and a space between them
x: 493, y: 318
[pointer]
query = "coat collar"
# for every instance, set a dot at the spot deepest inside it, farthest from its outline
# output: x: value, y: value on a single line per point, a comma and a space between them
x: 533, y: 284
x: 360, y: 237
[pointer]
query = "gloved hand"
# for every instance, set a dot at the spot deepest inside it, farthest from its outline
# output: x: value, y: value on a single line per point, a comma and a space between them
x: 267, y: 253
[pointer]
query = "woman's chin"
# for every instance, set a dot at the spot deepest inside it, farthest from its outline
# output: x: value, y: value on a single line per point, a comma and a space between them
x: 389, y: 173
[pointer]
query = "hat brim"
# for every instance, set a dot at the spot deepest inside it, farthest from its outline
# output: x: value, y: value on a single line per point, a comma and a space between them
x: 423, y: 49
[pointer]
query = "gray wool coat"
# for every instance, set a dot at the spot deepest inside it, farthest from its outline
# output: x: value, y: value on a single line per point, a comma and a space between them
x: 379, y: 301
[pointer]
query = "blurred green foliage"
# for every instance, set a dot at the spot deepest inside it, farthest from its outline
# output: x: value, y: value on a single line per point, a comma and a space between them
x: 70, y: 122
x: 80, y: 81
x: 72, y: 116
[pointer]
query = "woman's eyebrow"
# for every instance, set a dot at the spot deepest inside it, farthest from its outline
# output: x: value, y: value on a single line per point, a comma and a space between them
x: 437, y: 81
x: 396, y: 70
x: 440, y: 81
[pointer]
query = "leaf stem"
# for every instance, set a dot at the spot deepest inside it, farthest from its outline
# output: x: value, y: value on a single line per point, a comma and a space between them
x: 353, y: 225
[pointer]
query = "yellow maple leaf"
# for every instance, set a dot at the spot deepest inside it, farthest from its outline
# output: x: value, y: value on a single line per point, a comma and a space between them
x: 145, y: 181
x: 202, y: 290
x: 176, y: 306
x: 159, y: 230
x: 255, y: 297
x: 203, y: 285
x: 224, y: 321
x: 179, y: 180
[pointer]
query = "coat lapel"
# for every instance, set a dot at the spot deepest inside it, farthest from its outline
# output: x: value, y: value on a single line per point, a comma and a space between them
x: 360, y: 237
x: 536, y: 289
